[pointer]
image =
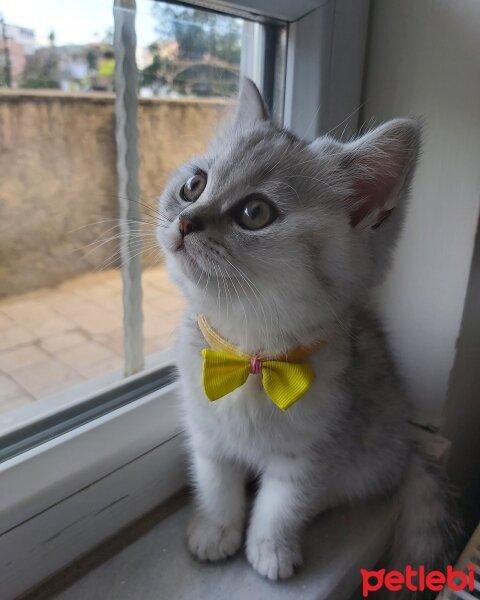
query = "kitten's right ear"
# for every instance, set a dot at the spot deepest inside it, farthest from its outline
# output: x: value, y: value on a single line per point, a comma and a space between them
x: 379, y: 166
x: 251, y: 108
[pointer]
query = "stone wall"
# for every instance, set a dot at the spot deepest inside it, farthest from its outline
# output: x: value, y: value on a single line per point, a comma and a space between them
x: 58, y: 177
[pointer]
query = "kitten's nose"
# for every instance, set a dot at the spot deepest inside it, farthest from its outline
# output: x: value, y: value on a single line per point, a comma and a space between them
x: 188, y: 225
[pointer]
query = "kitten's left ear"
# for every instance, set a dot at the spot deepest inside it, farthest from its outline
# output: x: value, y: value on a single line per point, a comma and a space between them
x: 251, y: 108
x: 379, y: 167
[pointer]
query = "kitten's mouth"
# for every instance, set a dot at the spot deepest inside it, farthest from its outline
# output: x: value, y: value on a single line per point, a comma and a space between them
x: 183, y: 248
x: 191, y: 256
x: 197, y: 255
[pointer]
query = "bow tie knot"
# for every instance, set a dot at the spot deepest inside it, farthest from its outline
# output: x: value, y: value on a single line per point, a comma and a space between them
x: 255, y: 365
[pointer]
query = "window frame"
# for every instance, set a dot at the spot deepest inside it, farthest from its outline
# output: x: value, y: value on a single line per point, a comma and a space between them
x: 72, y: 492
x: 66, y: 496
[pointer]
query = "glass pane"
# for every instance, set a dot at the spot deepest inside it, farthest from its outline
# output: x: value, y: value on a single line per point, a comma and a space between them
x: 189, y: 69
x: 61, y: 317
x: 60, y: 289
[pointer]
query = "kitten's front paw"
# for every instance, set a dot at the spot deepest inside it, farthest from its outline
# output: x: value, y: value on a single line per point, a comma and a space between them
x: 209, y: 541
x: 273, y: 560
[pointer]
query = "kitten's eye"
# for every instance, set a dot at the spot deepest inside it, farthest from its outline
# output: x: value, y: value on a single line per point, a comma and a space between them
x: 193, y: 188
x: 255, y: 213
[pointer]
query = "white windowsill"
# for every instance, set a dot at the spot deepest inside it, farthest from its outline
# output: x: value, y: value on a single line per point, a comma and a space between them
x: 158, y: 565
x: 62, y: 498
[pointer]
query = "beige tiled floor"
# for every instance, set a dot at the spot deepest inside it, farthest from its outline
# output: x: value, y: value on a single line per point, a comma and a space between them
x: 55, y: 337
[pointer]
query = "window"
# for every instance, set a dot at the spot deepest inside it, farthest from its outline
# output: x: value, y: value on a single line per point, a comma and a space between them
x: 84, y: 398
x: 61, y: 309
x: 88, y: 421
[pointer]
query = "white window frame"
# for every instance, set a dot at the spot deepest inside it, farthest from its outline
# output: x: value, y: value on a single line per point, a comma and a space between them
x: 60, y: 499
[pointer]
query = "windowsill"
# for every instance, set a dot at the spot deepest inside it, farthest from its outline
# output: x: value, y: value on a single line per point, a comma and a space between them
x: 75, y: 394
x: 157, y: 564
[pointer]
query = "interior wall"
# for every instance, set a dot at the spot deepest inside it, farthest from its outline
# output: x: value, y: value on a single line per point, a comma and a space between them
x: 423, y: 60
x: 462, y: 415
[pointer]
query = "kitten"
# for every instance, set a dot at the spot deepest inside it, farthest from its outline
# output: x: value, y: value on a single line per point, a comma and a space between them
x: 277, y: 243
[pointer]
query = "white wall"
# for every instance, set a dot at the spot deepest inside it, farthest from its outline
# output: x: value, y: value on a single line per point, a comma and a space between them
x: 462, y: 416
x: 424, y: 60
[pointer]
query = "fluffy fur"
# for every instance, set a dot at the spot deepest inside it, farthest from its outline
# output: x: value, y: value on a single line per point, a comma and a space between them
x: 306, y: 276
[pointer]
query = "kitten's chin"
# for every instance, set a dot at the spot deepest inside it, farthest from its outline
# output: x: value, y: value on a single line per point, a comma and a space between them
x: 189, y: 262
x: 183, y: 253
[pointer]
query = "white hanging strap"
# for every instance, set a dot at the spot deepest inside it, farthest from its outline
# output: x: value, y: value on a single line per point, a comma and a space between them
x: 126, y: 110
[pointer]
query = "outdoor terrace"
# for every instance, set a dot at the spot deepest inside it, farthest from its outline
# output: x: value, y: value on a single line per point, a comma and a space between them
x: 58, y: 336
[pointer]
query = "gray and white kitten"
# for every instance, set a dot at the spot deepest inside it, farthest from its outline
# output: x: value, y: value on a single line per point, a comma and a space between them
x: 278, y: 243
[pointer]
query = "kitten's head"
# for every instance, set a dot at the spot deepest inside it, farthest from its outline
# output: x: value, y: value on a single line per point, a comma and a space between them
x: 288, y: 233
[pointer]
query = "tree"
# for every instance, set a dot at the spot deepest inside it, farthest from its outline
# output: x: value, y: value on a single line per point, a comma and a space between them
x: 207, y: 52
x: 5, y: 63
x: 41, y: 70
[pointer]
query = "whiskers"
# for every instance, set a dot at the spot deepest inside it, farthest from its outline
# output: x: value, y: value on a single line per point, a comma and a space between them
x: 253, y: 299
x: 138, y: 233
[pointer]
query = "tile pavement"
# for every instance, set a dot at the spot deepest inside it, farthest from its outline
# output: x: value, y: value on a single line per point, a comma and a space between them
x: 54, y: 337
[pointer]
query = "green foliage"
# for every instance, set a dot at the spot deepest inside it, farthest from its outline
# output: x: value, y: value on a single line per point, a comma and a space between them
x: 199, y: 32
x: 207, y: 58
x: 3, y: 71
x: 41, y: 71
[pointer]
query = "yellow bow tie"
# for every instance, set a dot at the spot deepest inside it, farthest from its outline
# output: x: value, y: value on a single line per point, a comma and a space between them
x: 225, y: 369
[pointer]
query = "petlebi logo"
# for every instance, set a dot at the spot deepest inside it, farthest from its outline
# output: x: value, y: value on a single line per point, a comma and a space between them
x: 417, y: 580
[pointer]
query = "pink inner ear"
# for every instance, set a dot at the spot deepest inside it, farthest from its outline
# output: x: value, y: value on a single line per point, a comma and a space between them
x: 372, y: 195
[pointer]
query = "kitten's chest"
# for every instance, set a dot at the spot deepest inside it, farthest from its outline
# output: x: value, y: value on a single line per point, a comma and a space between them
x: 243, y: 425
x: 246, y: 424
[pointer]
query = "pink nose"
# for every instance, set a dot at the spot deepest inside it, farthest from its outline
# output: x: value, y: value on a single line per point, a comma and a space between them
x: 187, y: 225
